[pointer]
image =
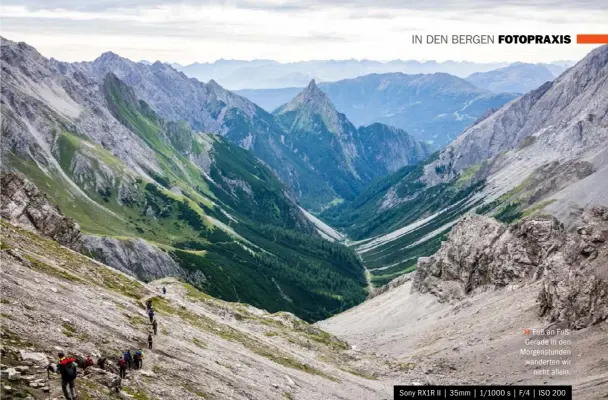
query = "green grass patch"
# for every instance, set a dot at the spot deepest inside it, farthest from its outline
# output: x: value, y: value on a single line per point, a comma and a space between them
x: 194, y: 391
x: 68, y: 330
x: 50, y: 270
x: 199, y: 343
x: 537, y: 207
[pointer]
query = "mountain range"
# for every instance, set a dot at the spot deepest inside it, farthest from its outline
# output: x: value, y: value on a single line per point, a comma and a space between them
x: 269, y: 74
x: 547, y: 150
x: 166, y: 174
x: 155, y: 197
x: 434, y: 108
x: 517, y: 77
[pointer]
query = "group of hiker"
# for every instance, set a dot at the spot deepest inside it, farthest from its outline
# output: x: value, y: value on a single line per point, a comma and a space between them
x: 67, y: 367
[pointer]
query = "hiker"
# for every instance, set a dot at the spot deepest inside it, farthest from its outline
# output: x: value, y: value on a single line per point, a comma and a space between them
x: 151, y: 314
x: 148, y: 305
x: 164, y: 290
x: 122, y: 365
x: 139, y: 359
x: 101, y: 363
x: 150, y: 341
x: 155, y: 327
x: 88, y: 362
x: 128, y: 358
x: 68, y: 369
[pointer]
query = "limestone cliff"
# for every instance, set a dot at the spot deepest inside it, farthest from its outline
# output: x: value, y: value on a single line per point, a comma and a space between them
x: 482, y: 253
x: 23, y: 204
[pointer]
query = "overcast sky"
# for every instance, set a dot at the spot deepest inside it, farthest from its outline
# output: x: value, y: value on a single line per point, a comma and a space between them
x: 289, y: 30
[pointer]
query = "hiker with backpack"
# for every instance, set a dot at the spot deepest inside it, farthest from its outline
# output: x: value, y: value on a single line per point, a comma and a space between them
x: 164, y: 290
x: 150, y: 341
x: 68, y: 369
x: 139, y: 359
x: 148, y: 305
x: 151, y: 314
x: 122, y: 365
x: 155, y: 327
x: 88, y: 362
x: 128, y: 358
x: 101, y: 363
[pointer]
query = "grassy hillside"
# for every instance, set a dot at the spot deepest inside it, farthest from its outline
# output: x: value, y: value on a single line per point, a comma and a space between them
x: 211, y: 205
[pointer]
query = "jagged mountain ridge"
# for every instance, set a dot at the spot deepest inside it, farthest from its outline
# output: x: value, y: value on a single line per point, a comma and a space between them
x: 157, y: 196
x: 208, y: 107
x: 260, y: 74
x: 349, y: 158
x: 433, y: 108
x: 546, y: 150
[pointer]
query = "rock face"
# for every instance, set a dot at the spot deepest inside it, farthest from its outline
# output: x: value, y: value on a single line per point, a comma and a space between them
x: 24, y: 205
x: 138, y: 258
x: 481, y: 253
x: 567, y: 117
x: 575, y: 285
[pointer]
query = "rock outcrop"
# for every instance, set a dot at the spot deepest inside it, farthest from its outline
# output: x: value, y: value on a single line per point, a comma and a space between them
x: 24, y: 205
x: 138, y: 258
x: 575, y: 285
x: 482, y: 253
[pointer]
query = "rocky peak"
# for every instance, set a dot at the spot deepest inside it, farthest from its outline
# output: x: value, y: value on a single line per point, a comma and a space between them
x: 482, y: 253
x: 311, y: 104
x: 108, y: 56
x: 310, y: 100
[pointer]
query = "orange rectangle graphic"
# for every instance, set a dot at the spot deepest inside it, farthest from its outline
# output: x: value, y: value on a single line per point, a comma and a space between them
x: 592, y: 39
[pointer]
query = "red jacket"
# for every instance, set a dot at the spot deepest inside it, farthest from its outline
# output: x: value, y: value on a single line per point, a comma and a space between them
x: 67, y: 360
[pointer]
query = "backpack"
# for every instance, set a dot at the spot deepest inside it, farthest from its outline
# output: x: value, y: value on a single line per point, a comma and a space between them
x: 122, y: 363
x: 127, y: 356
x: 68, y: 370
x: 138, y: 356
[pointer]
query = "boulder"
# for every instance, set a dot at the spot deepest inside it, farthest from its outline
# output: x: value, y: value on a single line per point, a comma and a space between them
x: 38, y: 358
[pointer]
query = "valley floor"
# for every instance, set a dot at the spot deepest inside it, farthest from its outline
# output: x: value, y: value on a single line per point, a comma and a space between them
x: 474, y: 341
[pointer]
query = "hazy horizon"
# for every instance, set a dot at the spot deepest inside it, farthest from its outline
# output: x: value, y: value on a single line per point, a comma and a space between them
x: 187, y: 31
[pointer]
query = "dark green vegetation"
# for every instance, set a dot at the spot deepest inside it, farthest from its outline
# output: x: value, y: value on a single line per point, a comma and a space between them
x: 211, y: 205
x: 364, y: 218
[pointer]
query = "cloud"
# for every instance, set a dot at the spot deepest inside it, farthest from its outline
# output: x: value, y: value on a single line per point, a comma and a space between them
x: 300, y: 5
x: 288, y: 30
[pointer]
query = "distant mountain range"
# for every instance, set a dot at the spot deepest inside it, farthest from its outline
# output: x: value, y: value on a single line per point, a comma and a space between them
x: 544, y: 151
x: 269, y: 74
x: 434, y: 108
x: 517, y: 77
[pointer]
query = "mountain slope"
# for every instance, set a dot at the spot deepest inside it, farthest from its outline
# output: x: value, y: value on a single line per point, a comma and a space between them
x: 517, y: 77
x: 270, y: 99
x: 471, y: 300
x: 348, y: 158
x: 205, y: 347
x: 211, y: 108
x: 154, y: 196
x: 434, y: 107
x: 528, y: 156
